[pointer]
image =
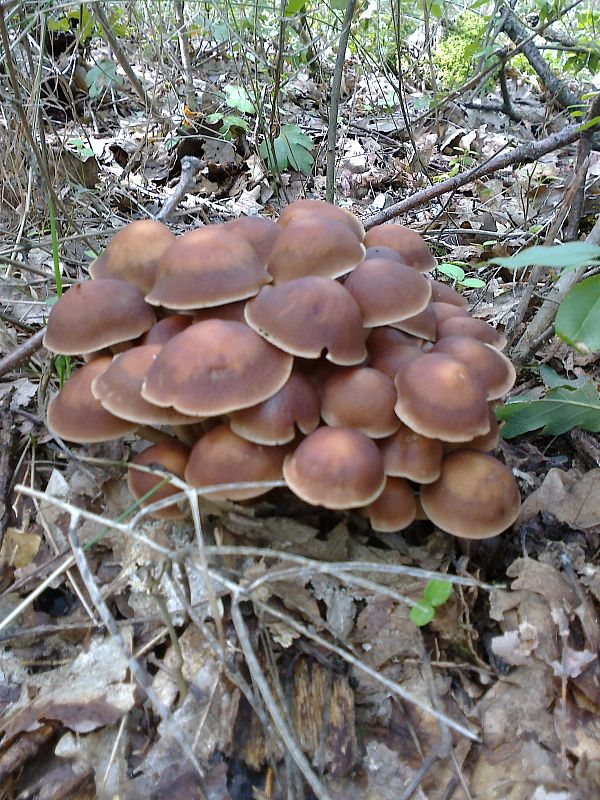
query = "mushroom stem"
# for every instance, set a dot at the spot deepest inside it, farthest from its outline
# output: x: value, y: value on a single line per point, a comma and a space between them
x: 185, y: 434
x: 152, y: 434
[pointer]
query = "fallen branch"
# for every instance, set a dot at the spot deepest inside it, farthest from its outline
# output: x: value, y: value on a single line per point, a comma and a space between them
x: 523, y: 154
x: 22, y: 352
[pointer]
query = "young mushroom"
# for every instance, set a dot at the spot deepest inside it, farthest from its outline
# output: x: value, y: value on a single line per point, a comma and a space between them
x: 75, y: 414
x: 215, y: 367
x: 167, y: 456
x: 96, y: 314
x: 133, y: 253
x: 308, y: 315
x: 338, y: 468
x: 207, y: 267
x: 475, y: 496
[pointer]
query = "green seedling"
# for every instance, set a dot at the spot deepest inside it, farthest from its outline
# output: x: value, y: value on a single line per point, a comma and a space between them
x: 435, y: 594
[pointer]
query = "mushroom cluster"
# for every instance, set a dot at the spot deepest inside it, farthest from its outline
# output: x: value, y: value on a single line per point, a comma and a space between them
x: 301, y: 349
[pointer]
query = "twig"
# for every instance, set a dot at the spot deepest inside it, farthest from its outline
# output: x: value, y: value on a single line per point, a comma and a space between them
x: 334, y: 102
x: 115, y: 46
x: 522, y: 154
x: 272, y: 705
x: 186, y: 61
x: 190, y: 167
x: 7, y: 438
x: 22, y: 352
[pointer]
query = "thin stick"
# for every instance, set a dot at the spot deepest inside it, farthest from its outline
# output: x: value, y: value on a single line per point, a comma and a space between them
x: 23, y: 352
x: 272, y: 706
x: 334, y: 102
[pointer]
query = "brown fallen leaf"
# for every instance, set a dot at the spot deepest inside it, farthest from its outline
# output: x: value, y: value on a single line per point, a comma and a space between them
x: 572, y: 498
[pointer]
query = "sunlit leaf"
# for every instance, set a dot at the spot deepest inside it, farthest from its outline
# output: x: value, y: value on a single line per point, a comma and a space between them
x: 564, y: 256
x: 436, y: 593
x: 558, y: 412
x: 578, y: 317
x: 422, y: 614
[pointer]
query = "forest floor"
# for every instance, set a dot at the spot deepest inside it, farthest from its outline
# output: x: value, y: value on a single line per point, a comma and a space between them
x: 498, y: 698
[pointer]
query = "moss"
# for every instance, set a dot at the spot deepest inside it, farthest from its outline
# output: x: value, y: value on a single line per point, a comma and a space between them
x: 454, y: 57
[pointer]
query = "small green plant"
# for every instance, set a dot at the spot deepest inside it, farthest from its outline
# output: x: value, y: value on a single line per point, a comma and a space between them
x: 435, y: 594
x: 62, y: 364
x: 290, y: 150
x: 102, y: 77
x: 455, y: 272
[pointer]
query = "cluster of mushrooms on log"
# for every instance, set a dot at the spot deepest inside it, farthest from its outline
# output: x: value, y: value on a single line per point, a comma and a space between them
x: 302, y: 350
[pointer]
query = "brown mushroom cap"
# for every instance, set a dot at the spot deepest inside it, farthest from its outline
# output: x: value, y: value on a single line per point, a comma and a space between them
x: 408, y: 244
x: 475, y: 496
x: 215, y: 367
x: 260, y: 233
x: 394, y: 359
x: 300, y: 209
x: 360, y: 398
x: 314, y: 246
x: 484, y: 443
x: 380, y: 339
x: 489, y: 365
x: 75, y: 414
x: 309, y: 315
x: 444, y: 310
x: 133, y: 253
x: 166, y: 329
x: 387, y: 291
x: 119, y: 388
x: 475, y: 328
x: 442, y: 293
x: 97, y: 314
x: 274, y: 420
x: 221, y: 456
x: 394, y: 509
x: 168, y: 456
x: 423, y: 324
x: 407, y: 454
x: 207, y: 267
x: 383, y: 252
x: 440, y: 399
x: 230, y: 311
x: 337, y: 468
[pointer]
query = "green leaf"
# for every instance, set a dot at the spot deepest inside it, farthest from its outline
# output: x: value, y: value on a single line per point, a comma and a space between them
x: 237, y: 97
x: 564, y: 256
x: 552, y: 379
x: 559, y: 411
x: 292, y: 149
x: 339, y: 5
x: 452, y: 271
x: 422, y: 614
x: 436, y: 593
x: 293, y: 6
x: 578, y: 318
x: 473, y: 283
x: 590, y: 123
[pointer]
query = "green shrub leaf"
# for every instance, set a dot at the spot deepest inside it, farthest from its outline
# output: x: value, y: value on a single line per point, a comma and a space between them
x: 436, y: 593
x: 422, y: 614
x: 564, y: 256
x: 292, y: 149
x: 559, y: 411
x: 578, y: 317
